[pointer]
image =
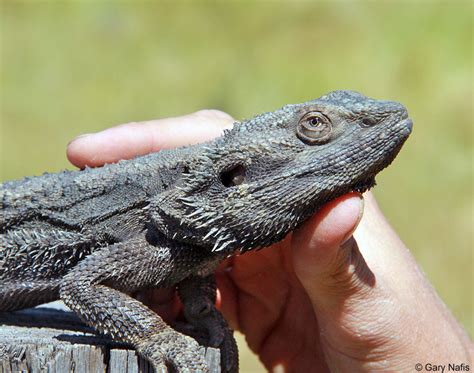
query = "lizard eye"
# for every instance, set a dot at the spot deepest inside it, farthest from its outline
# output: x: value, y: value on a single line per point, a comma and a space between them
x: 233, y: 176
x: 314, y: 128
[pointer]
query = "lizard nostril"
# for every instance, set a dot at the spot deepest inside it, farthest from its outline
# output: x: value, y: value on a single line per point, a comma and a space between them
x: 369, y: 122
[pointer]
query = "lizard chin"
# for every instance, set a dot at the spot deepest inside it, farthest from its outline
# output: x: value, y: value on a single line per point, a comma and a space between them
x: 364, y: 185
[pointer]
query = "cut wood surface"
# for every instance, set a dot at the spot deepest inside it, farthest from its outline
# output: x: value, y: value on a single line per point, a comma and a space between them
x: 53, y: 340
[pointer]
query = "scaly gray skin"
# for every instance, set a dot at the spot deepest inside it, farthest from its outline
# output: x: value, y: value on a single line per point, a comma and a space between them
x: 92, y: 237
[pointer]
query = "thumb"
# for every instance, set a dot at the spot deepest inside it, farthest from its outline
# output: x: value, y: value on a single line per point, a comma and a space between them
x: 325, y: 256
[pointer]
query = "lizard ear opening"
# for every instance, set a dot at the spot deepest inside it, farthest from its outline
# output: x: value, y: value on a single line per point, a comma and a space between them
x: 314, y: 128
x: 233, y: 176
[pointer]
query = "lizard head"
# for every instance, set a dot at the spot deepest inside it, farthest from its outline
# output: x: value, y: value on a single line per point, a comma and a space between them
x: 250, y: 187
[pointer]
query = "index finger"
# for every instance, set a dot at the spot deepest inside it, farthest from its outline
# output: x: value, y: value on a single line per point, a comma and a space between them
x: 130, y: 140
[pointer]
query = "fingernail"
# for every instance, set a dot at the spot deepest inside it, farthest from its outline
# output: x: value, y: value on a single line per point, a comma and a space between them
x: 78, y: 137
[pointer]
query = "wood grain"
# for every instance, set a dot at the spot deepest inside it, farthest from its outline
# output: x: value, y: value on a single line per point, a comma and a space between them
x: 55, y: 341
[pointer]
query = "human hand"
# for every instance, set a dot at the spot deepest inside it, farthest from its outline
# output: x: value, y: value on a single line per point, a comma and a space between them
x: 321, y: 299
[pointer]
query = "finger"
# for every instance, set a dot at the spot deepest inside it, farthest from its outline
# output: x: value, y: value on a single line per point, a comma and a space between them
x: 325, y: 269
x: 163, y: 301
x: 129, y: 140
x: 227, y: 291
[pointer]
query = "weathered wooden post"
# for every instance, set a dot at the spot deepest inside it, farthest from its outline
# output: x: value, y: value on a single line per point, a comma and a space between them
x: 55, y: 341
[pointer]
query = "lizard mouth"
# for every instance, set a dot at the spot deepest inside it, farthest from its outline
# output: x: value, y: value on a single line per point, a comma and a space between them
x: 405, y: 127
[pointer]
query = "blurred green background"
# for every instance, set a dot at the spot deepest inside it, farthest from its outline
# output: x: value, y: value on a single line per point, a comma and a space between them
x: 73, y: 67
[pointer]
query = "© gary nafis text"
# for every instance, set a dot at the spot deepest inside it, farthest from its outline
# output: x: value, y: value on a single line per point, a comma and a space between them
x: 447, y: 368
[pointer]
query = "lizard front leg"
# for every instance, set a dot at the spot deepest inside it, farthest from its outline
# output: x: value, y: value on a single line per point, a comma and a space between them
x: 96, y: 289
x: 198, y: 295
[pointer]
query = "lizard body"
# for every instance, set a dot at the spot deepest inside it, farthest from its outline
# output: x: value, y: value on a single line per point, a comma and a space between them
x: 94, y: 236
